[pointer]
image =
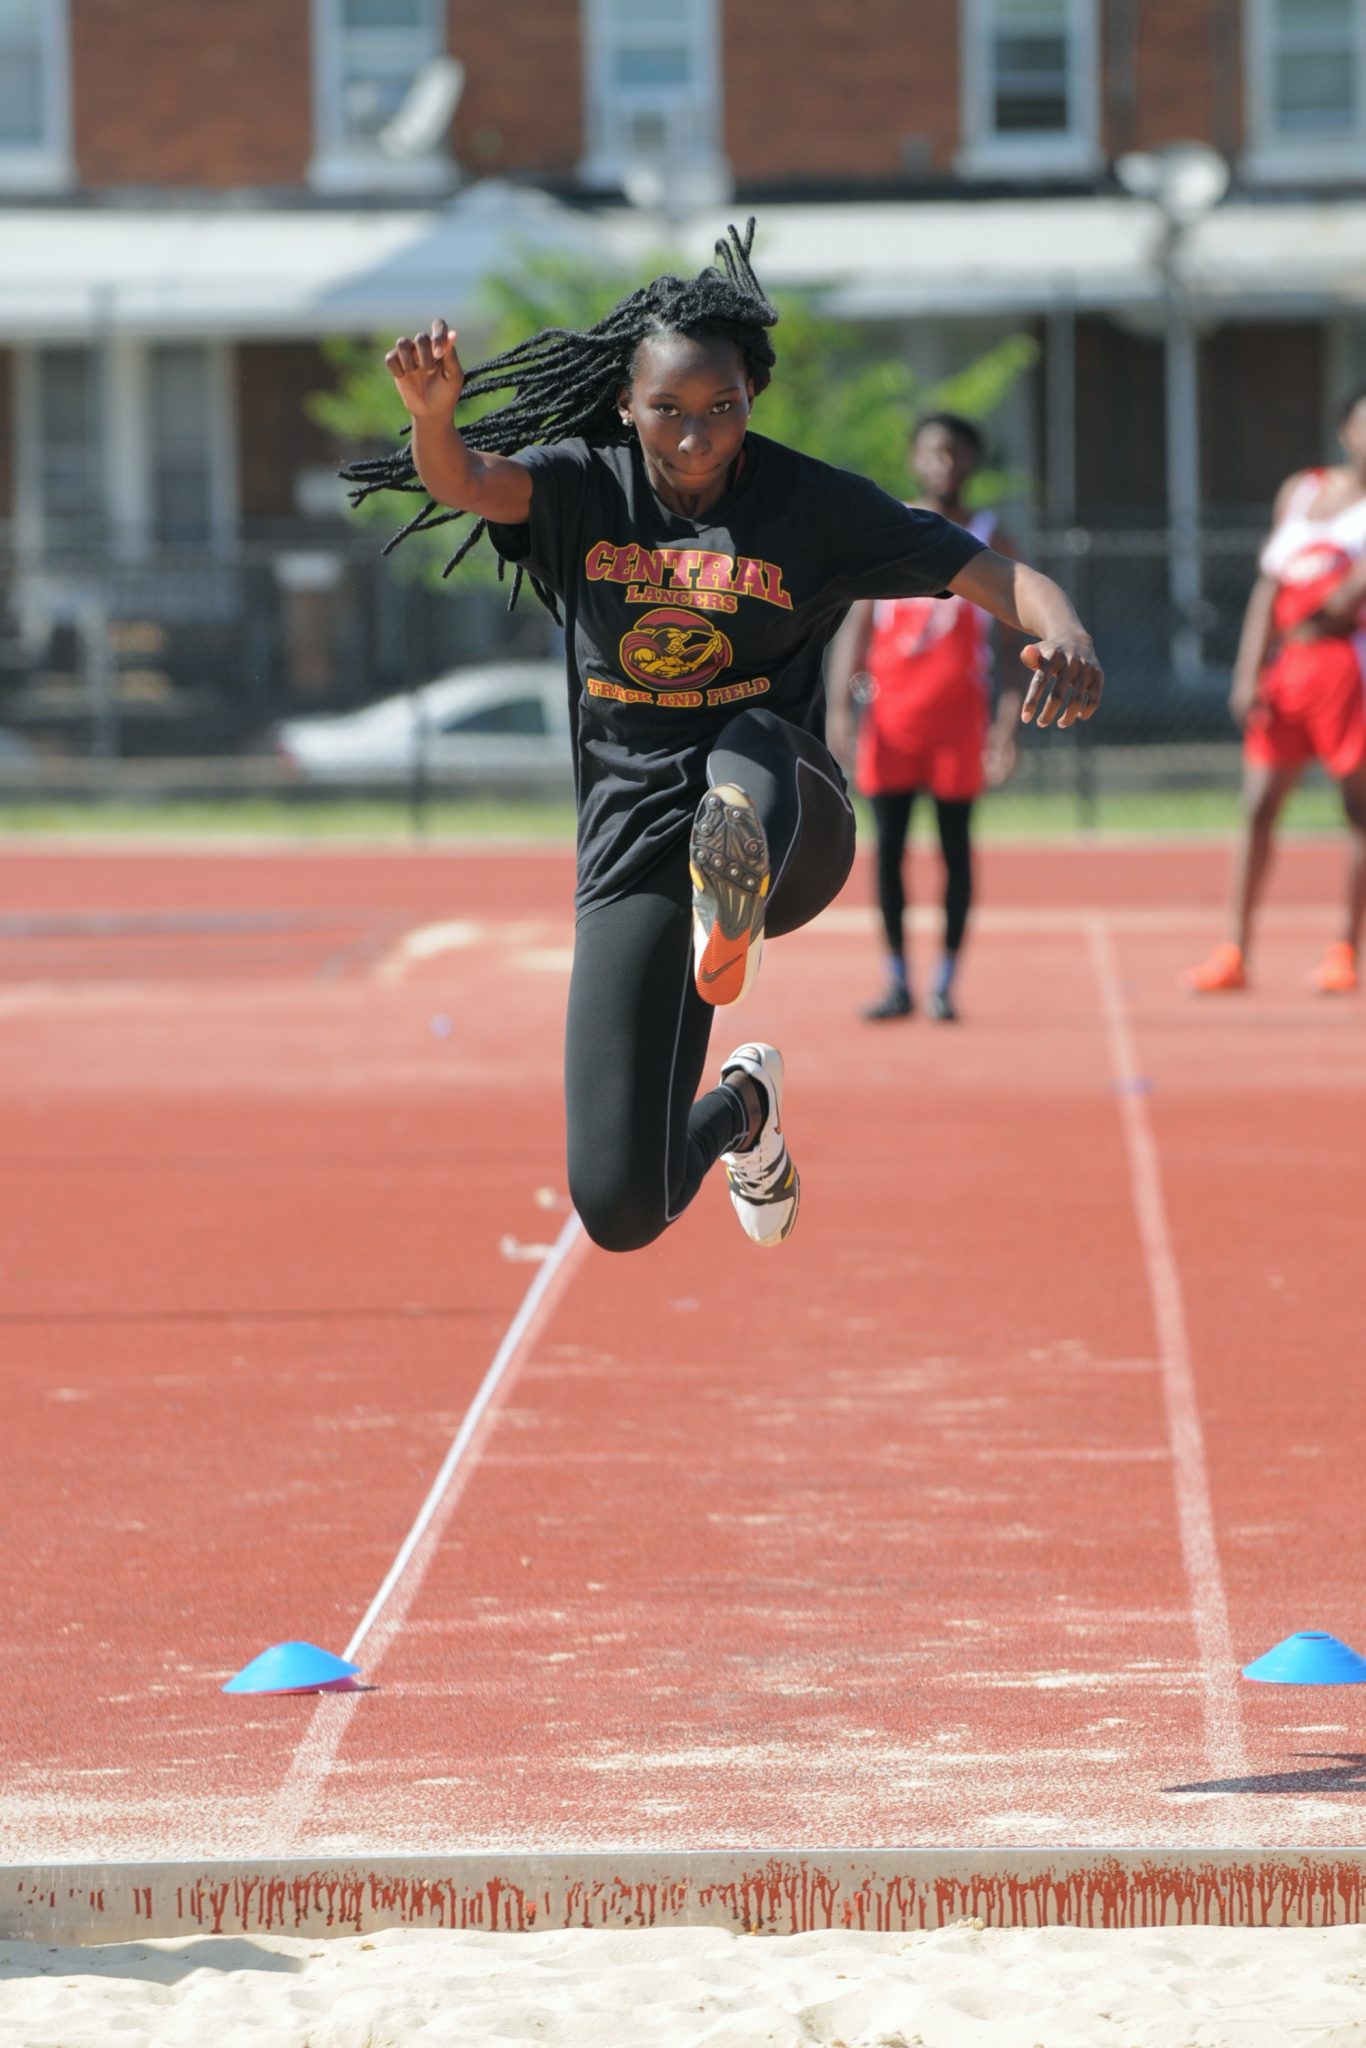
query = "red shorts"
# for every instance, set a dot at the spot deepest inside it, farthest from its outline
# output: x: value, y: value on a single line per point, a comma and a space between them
x: 948, y: 763
x: 1311, y: 704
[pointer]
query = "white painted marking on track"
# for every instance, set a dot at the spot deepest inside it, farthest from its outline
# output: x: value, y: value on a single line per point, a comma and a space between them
x: 27, y: 997
x: 848, y: 920
x: 317, y: 1751
x: 523, y: 943
x: 545, y: 959
x: 1219, y: 1669
x: 427, y: 942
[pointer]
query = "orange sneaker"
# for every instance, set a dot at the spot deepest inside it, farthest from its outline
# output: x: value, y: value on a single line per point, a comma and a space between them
x: 1338, y: 974
x: 728, y: 863
x: 1222, y: 971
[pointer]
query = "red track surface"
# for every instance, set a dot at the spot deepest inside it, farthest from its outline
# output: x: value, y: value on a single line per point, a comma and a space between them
x: 901, y: 1536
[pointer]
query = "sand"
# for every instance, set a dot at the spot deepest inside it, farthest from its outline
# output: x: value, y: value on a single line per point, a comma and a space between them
x: 958, y: 1987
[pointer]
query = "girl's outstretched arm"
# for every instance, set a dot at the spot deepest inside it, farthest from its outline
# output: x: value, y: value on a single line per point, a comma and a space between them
x: 427, y: 372
x: 1067, y: 680
x: 1254, y: 644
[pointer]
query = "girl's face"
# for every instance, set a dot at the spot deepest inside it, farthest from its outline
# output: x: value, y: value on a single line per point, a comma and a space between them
x: 942, y: 461
x: 689, y: 401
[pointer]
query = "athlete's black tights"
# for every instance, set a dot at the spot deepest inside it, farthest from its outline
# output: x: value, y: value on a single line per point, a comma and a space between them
x: 892, y: 815
x: 637, y: 1031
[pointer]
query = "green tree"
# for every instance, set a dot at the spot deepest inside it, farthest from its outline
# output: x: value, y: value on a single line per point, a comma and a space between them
x: 836, y: 393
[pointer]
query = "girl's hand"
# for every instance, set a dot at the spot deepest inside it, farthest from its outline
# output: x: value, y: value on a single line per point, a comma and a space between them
x: 427, y: 371
x: 1067, y: 679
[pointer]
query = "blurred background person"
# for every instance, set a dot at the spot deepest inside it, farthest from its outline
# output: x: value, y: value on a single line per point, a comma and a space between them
x: 927, y: 722
x: 1299, y: 693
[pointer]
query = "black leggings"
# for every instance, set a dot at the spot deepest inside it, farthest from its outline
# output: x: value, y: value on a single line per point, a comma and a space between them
x: 892, y: 815
x: 637, y: 1030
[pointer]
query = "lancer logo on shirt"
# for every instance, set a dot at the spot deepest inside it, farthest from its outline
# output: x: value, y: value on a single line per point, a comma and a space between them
x: 666, y: 647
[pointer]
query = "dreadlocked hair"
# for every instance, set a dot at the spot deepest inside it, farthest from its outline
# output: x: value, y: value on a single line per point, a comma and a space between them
x: 565, y: 384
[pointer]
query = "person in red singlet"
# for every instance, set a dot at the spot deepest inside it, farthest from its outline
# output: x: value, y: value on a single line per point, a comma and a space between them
x: 927, y: 722
x: 1299, y: 693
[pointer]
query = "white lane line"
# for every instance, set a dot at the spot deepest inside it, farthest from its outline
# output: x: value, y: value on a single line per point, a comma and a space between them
x: 317, y: 1750
x: 1219, y: 1669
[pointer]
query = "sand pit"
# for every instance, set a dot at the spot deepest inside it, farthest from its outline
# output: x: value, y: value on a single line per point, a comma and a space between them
x: 958, y: 1987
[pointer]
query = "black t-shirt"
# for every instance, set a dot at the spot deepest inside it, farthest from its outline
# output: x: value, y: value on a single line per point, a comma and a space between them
x: 673, y: 625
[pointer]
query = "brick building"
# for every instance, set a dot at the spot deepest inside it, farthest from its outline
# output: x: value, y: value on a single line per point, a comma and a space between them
x: 192, y: 196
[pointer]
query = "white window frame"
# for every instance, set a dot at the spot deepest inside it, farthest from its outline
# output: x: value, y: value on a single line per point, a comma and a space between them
x: 985, y: 153
x: 338, y: 165
x: 605, y: 160
x: 47, y: 166
x: 125, y: 452
x: 1271, y: 158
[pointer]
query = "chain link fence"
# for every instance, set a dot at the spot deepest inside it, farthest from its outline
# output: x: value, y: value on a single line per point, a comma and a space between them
x: 171, y: 673
x: 196, y: 654
x: 1166, y: 614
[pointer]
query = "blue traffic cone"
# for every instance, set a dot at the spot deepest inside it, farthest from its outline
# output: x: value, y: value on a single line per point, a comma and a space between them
x: 1309, y: 1658
x: 295, y: 1667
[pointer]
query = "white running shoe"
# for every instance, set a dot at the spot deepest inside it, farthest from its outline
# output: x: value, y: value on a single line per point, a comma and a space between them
x: 728, y: 862
x: 763, y: 1181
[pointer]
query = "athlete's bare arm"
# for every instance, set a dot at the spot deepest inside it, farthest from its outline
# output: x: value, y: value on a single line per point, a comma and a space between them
x: 1338, y: 612
x: 1067, y: 680
x: 426, y: 370
x: 1254, y: 638
x: 1253, y: 643
x: 844, y: 665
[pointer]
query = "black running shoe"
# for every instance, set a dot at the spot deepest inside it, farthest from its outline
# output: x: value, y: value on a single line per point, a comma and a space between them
x: 897, y: 1002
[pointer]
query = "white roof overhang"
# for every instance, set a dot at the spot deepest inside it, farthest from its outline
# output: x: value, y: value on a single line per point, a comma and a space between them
x: 254, y: 272
x: 236, y: 271
x: 900, y: 260
x: 896, y: 260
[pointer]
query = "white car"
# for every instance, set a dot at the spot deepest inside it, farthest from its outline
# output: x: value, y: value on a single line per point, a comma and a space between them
x: 506, y: 724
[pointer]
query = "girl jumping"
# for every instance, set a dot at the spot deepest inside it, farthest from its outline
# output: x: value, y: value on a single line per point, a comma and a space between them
x: 702, y: 570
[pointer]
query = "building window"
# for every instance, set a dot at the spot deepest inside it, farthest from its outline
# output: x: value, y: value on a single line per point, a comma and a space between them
x: 368, y: 56
x: 1029, y: 87
x: 70, y: 447
x: 653, y: 90
x: 180, y: 450
x: 1307, y: 87
x: 125, y: 447
x: 34, y: 95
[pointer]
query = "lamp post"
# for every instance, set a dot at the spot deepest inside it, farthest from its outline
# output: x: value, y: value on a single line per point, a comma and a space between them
x: 1185, y: 181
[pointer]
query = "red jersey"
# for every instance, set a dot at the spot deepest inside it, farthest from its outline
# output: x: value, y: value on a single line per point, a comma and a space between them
x: 1311, y: 695
x: 1308, y: 580
x: 926, y: 723
x: 1309, y: 557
